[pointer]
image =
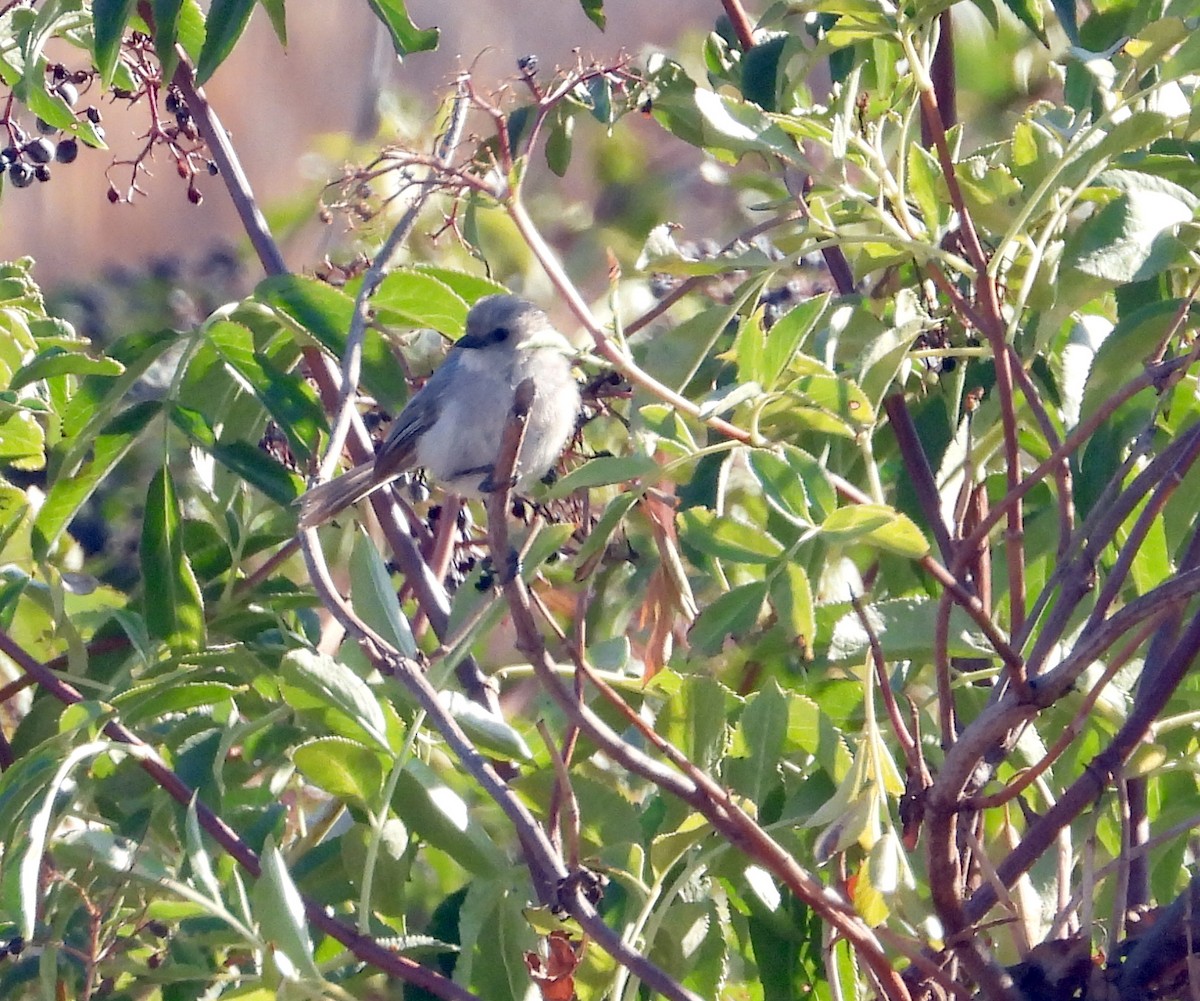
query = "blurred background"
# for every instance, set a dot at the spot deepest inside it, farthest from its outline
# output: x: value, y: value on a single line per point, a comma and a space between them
x: 295, y: 117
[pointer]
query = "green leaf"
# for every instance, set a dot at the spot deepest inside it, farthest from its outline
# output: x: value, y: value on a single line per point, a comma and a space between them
x: 259, y: 470
x: 22, y: 440
x: 286, y: 395
x: 1131, y: 238
x: 906, y: 628
x: 420, y: 300
x: 493, y: 734
x: 109, y: 18
x: 732, y: 615
x: 695, y: 716
x: 166, y: 27
x: 468, y: 287
x: 406, y: 36
x: 174, y: 609
x: 69, y: 492
x: 559, y: 140
x: 277, y: 14
x: 439, y: 815
x: 374, y: 596
x: 725, y: 538
x: 341, y: 767
x: 1029, y: 13
x: 226, y: 21
x: 326, y: 312
x: 1122, y: 354
x: 153, y: 701
x: 594, y: 9
x: 788, y: 335
x: 762, y: 68
x: 878, y: 525
x: 57, y: 362
x: 279, y: 910
x: 314, y: 681
x: 605, y: 470
x: 791, y: 597
x: 758, y: 742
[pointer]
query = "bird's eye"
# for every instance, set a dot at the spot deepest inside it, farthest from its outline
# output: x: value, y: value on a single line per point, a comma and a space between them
x: 499, y: 335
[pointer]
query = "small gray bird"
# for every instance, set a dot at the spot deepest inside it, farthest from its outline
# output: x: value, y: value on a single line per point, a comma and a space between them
x: 452, y: 426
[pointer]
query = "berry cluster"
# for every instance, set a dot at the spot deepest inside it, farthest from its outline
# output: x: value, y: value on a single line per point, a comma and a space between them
x: 172, y: 125
x: 27, y: 158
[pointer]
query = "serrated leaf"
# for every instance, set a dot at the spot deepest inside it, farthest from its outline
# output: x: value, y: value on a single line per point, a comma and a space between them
x: 68, y: 493
x: 341, y: 767
x: 325, y: 312
x: 727, y: 539
x: 490, y: 732
x: 422, y: 300
x: 1029, y: 13
x: 375, y: 598
x: 226, y: 21
x: 286, y: 396
x: 732, y: 615
x: 877, y: 525
x: 311, y: 680
x: 603, y: 471
x: 783, y: 489
x: 789, y: 335
x: 279, y: 910
x: 57, y: 362
x: 174, y: 608
x: 759, y: 740
x: 439, y: 815
x: 906, y: 628
x: 791, y: 597
x: 166, y: 26
x: 1131, y: 238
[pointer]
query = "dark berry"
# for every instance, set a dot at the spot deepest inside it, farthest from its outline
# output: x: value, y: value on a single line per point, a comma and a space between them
x: 93, y: 115
x: 528, y: 64
x: 16, y: 945
x: 68, y: 92
x: 21, y: 174
x: 213, y: 169
x: 9, y: 154
x: 158, y: 928
x: 40, y: 150
x: 45, y: 128
x: 174, y: 103
x: 41, y: 172
x: 113, y: 195
x: 66, y: 151
x: 194, y: 196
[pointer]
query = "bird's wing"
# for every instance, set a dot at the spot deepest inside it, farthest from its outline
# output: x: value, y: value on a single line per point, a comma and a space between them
x: 417, y: 417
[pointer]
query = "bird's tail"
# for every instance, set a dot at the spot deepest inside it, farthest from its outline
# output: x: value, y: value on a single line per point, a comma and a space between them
x: 327, y: 499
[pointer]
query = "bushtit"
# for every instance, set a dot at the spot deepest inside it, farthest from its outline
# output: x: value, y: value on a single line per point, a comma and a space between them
x: 452, y: 426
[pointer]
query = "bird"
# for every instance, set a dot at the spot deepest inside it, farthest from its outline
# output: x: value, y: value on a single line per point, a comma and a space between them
x: 452, y: 426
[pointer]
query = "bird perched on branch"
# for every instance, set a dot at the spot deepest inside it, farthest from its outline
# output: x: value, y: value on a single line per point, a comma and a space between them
x: 452, y: 426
